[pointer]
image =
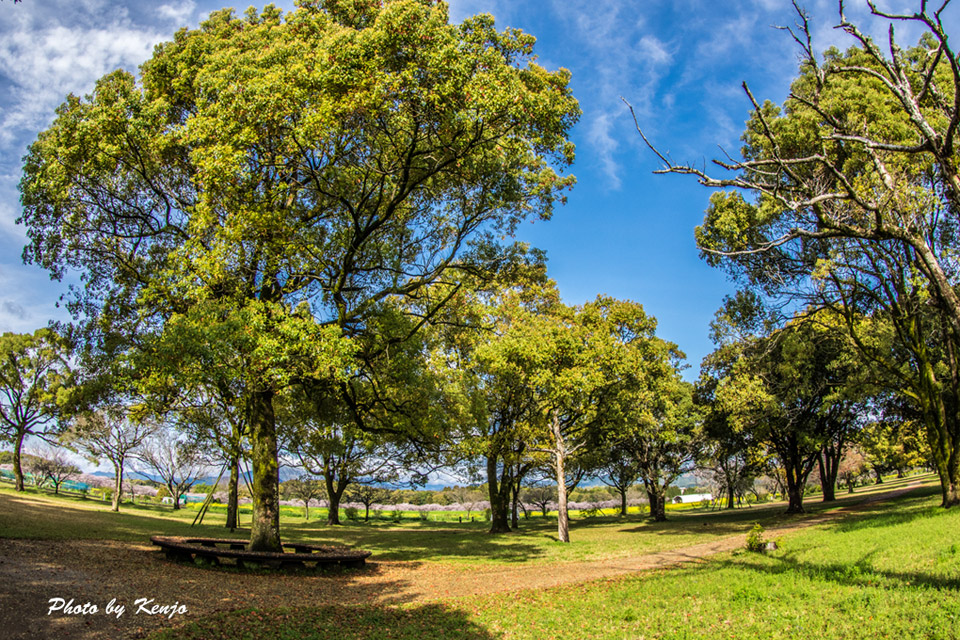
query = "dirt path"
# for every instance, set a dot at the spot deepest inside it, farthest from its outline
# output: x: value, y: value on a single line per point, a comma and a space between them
x: 32, y: 572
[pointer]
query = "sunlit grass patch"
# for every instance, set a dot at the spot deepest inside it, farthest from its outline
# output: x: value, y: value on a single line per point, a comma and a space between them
x: 891, y: 570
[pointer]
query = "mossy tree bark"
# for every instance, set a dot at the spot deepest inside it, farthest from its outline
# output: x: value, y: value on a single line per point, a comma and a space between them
x: 17, y: 466
x: 117, y: 486
x: 233, y: 494
x: 499, y: 492
x: 265, y: 530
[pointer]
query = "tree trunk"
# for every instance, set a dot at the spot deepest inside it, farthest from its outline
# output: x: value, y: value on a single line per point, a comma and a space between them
x: 658, y: 503
x: 731, y: 504
x: 515, y: 504
x: 951, y: 497
x: 333, y: 496
x: 796, y: 470
x: 941, y: 434
x: 265, y: 529
x: 949, y: 483
x: 499, y: 521
x: 233, y: 494
x: 118, y: 486
x: 876, y: 470
x: 794, y: 494
x: 623, y: 501
x: 829, y: 463
x: 17, y: 469
x: 563, y: 520
x: 175, y: 494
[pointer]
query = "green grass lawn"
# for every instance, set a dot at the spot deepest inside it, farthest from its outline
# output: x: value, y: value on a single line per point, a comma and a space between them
x: 44, y: 516
x: 889, y: 571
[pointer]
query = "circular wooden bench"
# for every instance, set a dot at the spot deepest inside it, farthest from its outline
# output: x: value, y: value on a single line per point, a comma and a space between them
x: 302, y: 556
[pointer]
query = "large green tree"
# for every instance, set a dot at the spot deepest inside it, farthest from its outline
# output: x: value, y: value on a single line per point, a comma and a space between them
x: 647, y: 410
x: 269, y: 182
x: 852, y: 195
x: 783, y: 391
x: 486, y: 390
x: 35, y: 381
x: 577, y: 362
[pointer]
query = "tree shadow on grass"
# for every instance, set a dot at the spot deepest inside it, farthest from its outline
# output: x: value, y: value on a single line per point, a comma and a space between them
x: 412, y: 543
x: 915, y: 506
x: 89, y: 571
x: 718, y: 523
x: 860, y: 573
x: 433, y: 621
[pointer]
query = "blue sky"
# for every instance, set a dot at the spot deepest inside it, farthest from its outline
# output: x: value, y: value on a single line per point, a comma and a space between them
x: 625, y: 231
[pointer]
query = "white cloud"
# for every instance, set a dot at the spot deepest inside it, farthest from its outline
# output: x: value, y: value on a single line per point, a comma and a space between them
x: 600, y: 135
x: 51, y: 49
x: 624, y: 58
x: 61, y: 60
x: 654, y: 50
x: 177, y: 12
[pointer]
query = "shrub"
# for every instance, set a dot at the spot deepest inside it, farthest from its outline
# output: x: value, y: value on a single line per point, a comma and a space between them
x: 396, y: 515
x: 352, y: 513
x: 756, y: 542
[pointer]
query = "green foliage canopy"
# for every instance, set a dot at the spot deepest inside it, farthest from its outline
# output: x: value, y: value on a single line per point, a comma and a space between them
x: 35, y: 384
x: 853, y: 191
x: 269, y: 181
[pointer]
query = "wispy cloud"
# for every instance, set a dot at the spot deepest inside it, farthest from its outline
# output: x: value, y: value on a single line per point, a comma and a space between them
x: 51, y: 49
x: 602, y: 138
x: 62, y: 60
x: 11, y: 308
x: 625, y: 58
